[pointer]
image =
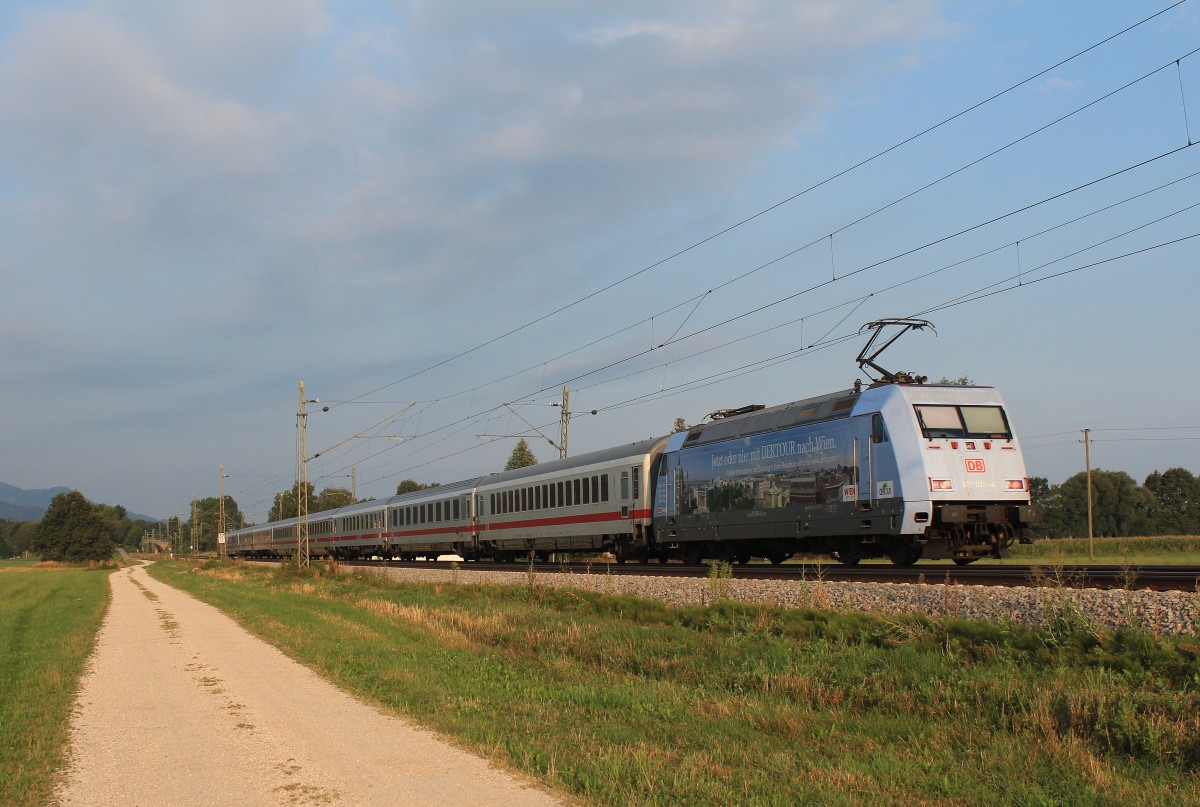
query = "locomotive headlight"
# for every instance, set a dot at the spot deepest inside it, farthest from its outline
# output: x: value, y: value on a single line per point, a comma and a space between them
x: 1014, y: 484
x: 941, y: 484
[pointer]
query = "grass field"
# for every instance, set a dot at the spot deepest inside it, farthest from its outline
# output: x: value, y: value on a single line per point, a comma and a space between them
x: 622, y: 701
x: 1176, y: 550
x: 49, y: 616
x: 1172, y: 549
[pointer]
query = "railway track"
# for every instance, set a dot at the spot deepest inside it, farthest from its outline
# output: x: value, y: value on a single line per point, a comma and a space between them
x: 1155, y: 578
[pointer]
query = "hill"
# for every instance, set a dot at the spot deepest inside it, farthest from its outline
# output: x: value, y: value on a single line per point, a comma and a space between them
x: 30, y: 505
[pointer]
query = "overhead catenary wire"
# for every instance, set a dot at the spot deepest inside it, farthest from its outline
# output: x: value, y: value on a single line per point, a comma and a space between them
x: 893, y: 286
x: 866, y: 161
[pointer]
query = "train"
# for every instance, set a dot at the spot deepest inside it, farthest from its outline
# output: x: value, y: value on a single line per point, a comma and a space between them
x: 900, y: 469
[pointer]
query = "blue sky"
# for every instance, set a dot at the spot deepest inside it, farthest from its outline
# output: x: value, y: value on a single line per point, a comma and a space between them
x: 202, y: 204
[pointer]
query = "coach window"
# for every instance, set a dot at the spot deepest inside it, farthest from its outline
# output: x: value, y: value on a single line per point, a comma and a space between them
x: 595, y: 489
x: 457, y: 510
x: 624, y: 485
x: 604, y: 487
x: 558, y: 494
x: 587, y: 491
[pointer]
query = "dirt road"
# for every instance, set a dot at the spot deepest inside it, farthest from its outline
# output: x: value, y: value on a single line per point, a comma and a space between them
x: 183, y: 707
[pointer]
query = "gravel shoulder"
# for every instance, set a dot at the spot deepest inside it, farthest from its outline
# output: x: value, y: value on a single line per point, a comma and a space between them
x: 181, y: 706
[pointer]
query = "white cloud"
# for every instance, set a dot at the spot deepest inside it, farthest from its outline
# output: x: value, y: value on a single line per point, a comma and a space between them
x: 1060, y: 84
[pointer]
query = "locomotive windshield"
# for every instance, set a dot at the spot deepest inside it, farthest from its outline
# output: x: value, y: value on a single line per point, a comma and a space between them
x: 986, y: 422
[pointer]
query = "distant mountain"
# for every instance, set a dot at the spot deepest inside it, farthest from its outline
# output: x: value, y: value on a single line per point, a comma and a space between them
x: 26, y: 505
x: 30, y: 505
x: 10, y: 512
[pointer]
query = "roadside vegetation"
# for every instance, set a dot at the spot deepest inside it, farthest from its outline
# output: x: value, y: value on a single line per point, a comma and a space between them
x: 49, y: 617
x: 1145, y: 550
x: 624, y: 701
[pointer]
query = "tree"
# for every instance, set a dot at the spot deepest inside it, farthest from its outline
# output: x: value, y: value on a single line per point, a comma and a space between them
x: 680, y: 426
x: 22, y: 540
x: 1041, y: 493
x: 1120, y: 507
x: 331, y: 499
x: 287, y: 503
x: 72, y: 531
x: 411, y: 485
x: 522, y: 456
x: 1177, y: 492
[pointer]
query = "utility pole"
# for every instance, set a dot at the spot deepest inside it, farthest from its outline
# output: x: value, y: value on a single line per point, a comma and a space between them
x: 564, y: 420
x: 1087, y: 460
x: 194, y: 535
x: 302, y: 478
x: 221, y: 511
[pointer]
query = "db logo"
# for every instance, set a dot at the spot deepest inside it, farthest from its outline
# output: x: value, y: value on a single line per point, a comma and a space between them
x: 975, y: 466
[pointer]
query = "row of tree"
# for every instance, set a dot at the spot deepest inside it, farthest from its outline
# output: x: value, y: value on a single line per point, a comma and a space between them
x: 73, y: 530
x: 71, y: 510
x: 1166, y: 503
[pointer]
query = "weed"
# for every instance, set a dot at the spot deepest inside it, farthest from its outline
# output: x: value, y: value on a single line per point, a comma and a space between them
x: 1128, y: 571
x: 720, y: 577
x: 952, y: 597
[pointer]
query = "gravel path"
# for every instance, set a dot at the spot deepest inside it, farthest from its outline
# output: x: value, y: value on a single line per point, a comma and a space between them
x: 181, y: 706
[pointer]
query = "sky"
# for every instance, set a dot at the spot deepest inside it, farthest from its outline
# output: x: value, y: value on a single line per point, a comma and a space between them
x: 438, y: 214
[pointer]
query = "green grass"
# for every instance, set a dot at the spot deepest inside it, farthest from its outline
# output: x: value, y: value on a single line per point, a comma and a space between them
x: 1181, y: 550
x: 624, y: 701
x: 1171, y: 550
x: 49, y: 617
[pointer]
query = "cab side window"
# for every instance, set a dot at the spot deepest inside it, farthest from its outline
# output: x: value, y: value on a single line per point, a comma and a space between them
x: 878, y: 432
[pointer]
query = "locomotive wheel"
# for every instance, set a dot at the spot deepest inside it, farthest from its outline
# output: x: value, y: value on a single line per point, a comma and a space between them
x: 692, y: 555
x: 965, y: 561
x: 905, y: 555
x: 743, y: 558
x: 777, y: 558
x: 848, y: 558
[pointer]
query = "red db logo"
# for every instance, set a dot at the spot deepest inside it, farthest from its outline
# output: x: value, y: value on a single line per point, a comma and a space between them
x: 975, y: 466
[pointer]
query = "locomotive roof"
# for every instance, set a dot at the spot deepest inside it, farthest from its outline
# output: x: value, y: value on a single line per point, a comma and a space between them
x: 808, y: 410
